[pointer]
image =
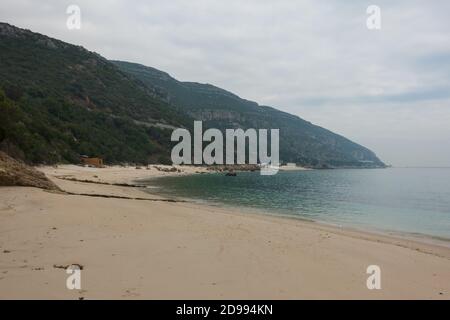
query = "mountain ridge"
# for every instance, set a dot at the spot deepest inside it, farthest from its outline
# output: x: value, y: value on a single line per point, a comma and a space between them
x: 60, y: 100
x: 212, y: 104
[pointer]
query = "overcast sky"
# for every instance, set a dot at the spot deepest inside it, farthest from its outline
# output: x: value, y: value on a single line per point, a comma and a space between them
x: 387, y: 89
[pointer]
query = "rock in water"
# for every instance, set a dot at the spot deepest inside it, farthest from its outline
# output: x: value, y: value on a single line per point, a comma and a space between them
x: 16, y: 173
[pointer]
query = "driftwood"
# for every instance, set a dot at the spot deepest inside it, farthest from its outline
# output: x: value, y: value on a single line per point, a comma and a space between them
x: 57, y: 266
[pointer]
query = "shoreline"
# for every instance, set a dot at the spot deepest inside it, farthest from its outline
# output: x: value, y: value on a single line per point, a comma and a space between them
x: 184, y: 250
x: 394, y: 234
x: 404, y: 239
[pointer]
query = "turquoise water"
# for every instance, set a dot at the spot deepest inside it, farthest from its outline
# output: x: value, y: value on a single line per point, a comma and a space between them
x: 400, y: 200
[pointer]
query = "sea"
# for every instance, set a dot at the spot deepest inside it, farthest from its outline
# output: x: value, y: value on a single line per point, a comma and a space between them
x: 413, y: 201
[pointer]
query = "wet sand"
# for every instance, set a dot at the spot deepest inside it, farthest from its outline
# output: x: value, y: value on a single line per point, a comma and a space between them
x: 155, y: 249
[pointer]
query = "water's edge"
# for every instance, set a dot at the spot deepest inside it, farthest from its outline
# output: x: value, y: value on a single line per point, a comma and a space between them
x: 153, y: 183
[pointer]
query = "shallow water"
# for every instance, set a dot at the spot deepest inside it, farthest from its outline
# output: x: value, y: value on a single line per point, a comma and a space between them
x: 411, y: 200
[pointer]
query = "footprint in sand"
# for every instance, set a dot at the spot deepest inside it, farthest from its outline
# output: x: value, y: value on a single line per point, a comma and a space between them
x: 131, y: 293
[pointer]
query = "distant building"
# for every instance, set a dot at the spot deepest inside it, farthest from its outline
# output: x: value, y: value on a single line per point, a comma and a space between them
x: 291, y: 164
x: 94, y: 162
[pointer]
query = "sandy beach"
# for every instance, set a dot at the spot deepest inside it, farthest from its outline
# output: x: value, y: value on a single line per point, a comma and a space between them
x: 136, y: 245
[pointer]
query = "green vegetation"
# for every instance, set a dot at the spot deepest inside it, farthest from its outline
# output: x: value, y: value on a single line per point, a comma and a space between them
x: 59, y: 101
x: 300, y: 141
x: 49, y: 131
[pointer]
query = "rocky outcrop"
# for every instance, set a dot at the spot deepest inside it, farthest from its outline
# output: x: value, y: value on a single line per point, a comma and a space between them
x: 233, y: 167
x: 16, y: 173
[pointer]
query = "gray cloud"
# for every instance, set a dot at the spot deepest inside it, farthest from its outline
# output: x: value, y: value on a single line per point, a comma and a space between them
x: 386, y: 89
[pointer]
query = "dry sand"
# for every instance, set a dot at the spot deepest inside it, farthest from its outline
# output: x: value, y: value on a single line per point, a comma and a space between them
x: 151, y: 249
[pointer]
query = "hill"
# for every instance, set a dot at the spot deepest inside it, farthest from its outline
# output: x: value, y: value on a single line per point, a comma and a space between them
x: 60, y: 100
x: 300, y: 141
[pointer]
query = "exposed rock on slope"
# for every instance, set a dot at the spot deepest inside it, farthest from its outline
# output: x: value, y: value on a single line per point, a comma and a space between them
x: 17, y: 173
x: 301, y: 142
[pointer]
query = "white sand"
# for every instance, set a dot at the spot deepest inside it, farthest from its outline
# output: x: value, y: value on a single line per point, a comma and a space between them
x: 152, y: 249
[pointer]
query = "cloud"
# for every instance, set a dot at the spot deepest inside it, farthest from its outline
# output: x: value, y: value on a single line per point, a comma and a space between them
x: 316, y: 59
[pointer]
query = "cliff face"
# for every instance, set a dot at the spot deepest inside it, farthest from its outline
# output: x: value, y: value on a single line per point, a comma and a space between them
x: 300, y: 141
